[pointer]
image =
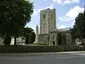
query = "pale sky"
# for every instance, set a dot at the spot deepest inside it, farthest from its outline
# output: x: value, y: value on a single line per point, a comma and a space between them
x: 66, y: 12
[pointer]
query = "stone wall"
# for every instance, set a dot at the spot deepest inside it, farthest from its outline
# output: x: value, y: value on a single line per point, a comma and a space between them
x: 53, y: 38
x: 1, y: 41
x: 43, y: 38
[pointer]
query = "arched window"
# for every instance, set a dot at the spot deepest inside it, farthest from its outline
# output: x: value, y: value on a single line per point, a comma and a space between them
x: 44, y: 24
x: 44, y: 16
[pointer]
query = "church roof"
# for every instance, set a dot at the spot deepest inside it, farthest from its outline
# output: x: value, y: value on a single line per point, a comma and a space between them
x: 63, y: 30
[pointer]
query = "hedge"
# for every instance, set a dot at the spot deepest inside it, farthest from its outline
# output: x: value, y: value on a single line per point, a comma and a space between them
x: 29, y: 49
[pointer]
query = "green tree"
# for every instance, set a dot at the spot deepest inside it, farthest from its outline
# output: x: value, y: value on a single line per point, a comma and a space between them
x: 78, y: 31
x: 13, y: 17
x: 32, y: 37
x: 26, y: 33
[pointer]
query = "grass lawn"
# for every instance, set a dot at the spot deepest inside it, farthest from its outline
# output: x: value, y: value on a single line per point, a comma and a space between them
x: 37, y: 44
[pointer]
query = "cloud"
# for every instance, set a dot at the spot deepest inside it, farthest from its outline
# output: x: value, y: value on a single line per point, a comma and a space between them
x: 66, y: 1
x: 51, y: 6
x: 32, y: 0
x: 72, y: 14
x: 61, y: 26
x: 31, y: 26
x: 35, y: 12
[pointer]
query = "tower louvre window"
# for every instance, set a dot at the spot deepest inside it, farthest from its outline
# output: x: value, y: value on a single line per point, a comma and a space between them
x: 44, y: 16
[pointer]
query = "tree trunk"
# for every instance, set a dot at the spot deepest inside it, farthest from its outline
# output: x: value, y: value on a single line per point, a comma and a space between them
x: 27, y: 40
x: 15, y: 40
x: 7, y: 40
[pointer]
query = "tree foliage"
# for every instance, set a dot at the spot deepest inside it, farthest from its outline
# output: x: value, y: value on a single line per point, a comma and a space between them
x: 78, y: 31
x: 32, y: 37
x: 7, y: 40
x: 29, y: 35
x: 14, y: 14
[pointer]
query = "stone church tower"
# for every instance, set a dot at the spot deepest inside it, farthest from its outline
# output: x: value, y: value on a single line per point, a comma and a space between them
x: 47, y: 21
x: 47, y: 26
x: 49, y: 35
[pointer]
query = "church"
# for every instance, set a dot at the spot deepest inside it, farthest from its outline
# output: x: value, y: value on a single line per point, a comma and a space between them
x: 49, y: 34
